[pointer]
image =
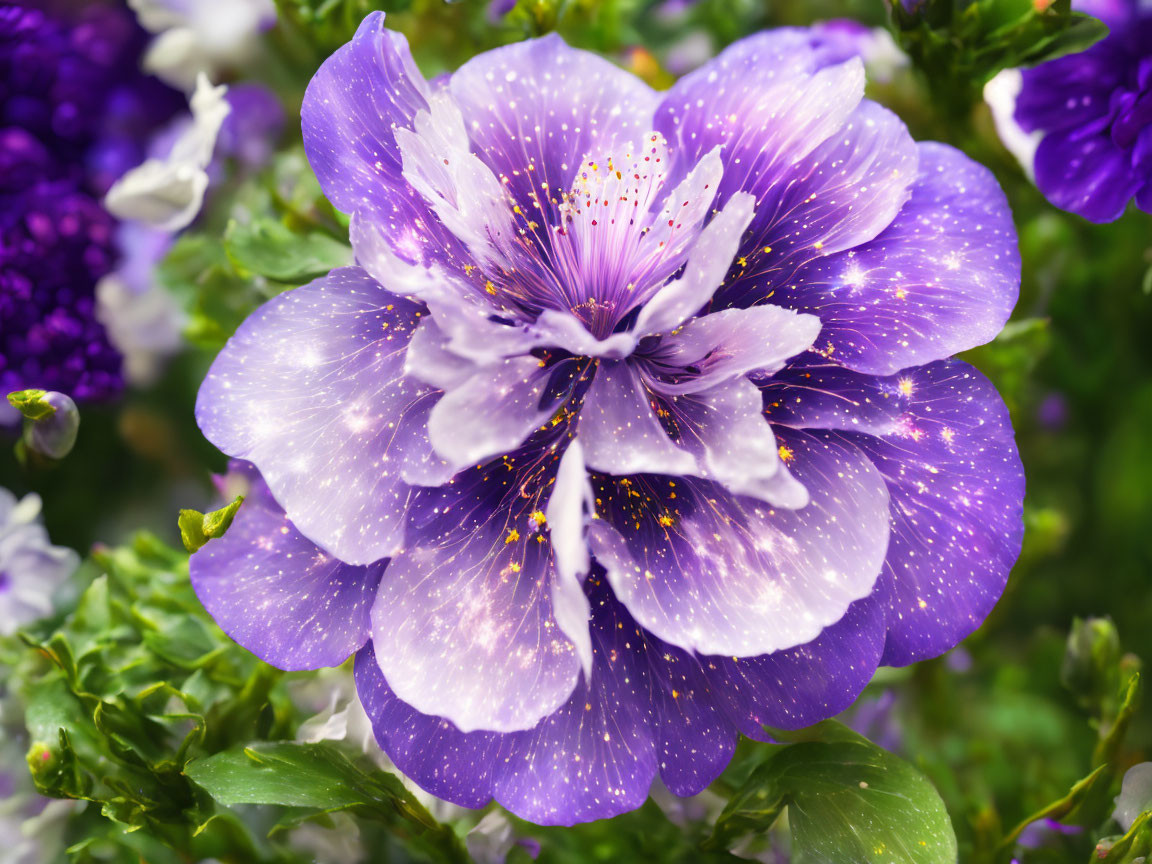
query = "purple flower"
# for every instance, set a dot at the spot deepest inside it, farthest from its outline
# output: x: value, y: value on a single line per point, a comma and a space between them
x: 1094, y: 110
x: 634, y: 428
x: 74, y: 113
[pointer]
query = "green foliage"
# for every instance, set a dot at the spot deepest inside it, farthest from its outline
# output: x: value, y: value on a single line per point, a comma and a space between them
x: 847, y: 800
x: 268, y: 248
x: 318, y: 779
x: 198, y: 528
x: 959, y: 45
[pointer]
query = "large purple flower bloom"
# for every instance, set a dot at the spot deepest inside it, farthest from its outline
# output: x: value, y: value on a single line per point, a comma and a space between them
x: 633, y: 429
x: 1095, y: 112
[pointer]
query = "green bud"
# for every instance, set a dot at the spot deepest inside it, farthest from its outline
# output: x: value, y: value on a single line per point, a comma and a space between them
x: 1092, y: 661
x: 32, y: 404
x: 198, y: 528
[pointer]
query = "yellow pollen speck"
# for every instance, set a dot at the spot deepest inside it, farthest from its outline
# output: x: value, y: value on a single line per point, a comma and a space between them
x: 538, y: 517
x: 819, y: 244
x: 514, y: 567
x: 512, y: 537
x: 468, y: 268
x: 905, y: 385
x: 901, y: 293
x: 664, y: 519
x: 786, y: 455
x: 675, y: 694
x: 742, y: 261
x: 489, y: 287
x: 923, y: 604
x: 767, y: 249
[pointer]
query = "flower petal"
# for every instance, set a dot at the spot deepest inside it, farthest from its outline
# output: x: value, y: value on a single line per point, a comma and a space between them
x: 718, y: 574
x: 800, y: 686
x: 765, y: 102
x: 360, y: 94
x: 730, y: 344
x: 941, y: 438
x: 942, y: 278
x: 842, y: 194
x: 708, y: 261
x: 536, y: 108
x: 311, y: 389
x: 280, y: 595
x: 1087, y: 174
x: 492, y: 412
x: 620, y: 430
x: 464, y: 625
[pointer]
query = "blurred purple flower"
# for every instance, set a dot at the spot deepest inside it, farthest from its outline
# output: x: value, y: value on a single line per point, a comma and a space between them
x: 716, y: 319
x: 1094, y: 113
x: 31, y: 568
x: 74, y: 112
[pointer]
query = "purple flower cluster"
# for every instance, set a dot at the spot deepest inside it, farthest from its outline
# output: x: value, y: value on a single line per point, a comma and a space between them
x: 635, y: 426
x: 74, y: 114
x: 1094, y: 110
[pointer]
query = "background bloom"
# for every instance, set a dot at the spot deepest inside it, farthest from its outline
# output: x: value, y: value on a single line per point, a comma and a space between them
x: 31, y: 568
x: 1094, y: 110
x: 75, y: 113
x: 634, y: 428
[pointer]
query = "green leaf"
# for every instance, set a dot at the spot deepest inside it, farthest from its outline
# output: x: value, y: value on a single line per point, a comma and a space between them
x: 31, y: 404
x: 319, y: 778
x: 269, y: 248
x: 847, y: 800
x: 198, y: 528
x: 1135, y: 847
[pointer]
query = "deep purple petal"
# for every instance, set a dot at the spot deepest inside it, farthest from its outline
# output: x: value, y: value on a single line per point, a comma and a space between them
x: 803, y: 685
x: 755, y: 579
x: 1086, y: 174
x: 311, y: 390
x: 360, y: 94
x: 278, y: 594
x: 942, y: 278
x: 941, y: 438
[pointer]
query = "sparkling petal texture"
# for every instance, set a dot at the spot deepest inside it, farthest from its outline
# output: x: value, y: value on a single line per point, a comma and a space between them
x: 311, y: 390
x: 276, y: 592
x: 940, y: 437
x: 1094, y: 109
x: 603, y: 395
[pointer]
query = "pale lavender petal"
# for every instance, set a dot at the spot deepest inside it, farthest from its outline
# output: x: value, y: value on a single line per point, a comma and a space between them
x: 463, y: 625
x: 535, y: 109
x: 765, y: 102
x: 730, y: 344
x: 620, y: 429
x: 492, y: 412
x: 430, y: 360
x: 278, y: 594
x: 356, y: 100
x: 941, y: 437
x: 942, y: 278
x: 842, y: 194
x: 708, y: 261
x: 311, y: 390
x: 755, y: 579
x: 570, y: 505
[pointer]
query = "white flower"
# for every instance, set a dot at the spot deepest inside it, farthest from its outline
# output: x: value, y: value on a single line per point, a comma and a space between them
x: 1001, y: 93
x: 31, y: 568
x: 198, y: 37
x: 1135, y: 795
x: 168, y: 192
